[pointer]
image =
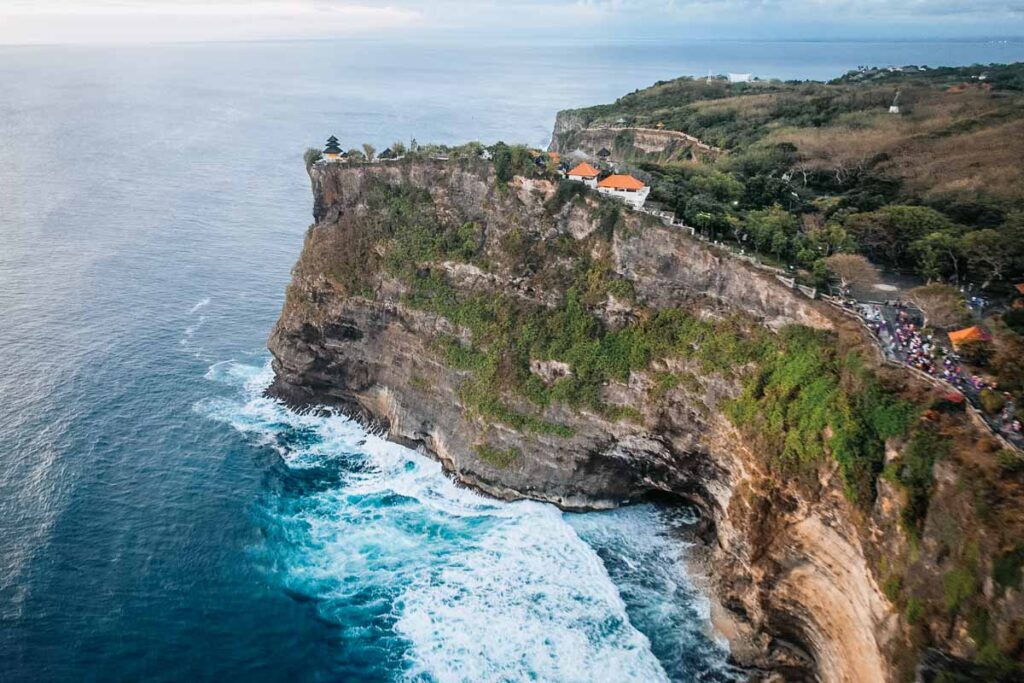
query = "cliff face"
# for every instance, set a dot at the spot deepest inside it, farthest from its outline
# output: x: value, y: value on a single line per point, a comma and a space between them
x: 574, y: 132
x: 795, y: 565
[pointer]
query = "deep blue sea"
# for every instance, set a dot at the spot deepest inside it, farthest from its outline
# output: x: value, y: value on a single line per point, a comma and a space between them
x: 159, y: 519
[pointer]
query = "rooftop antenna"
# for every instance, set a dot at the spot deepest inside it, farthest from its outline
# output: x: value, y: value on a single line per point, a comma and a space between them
x: 894, y: 108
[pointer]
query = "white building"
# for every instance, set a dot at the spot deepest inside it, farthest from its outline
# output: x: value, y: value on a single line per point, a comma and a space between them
x: 625, y: 187
x: 741, y: 78
x: 584, y: 173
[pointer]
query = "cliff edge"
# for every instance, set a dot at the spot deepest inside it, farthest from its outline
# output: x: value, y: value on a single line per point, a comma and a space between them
x: 543, y: 342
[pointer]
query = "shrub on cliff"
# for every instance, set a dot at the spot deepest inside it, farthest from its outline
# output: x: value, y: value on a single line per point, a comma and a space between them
x: 1008, y: 361
x: 805, y: 402
x: 991, y: 401
x: 567, y: 191
x: 913, y: 471
x: 976, y: 352
x: 311, y: 156
x: 511, y: 160
x: 1014, y: 319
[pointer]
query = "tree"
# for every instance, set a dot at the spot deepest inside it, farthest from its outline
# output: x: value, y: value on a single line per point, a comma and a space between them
x: 976, y: 352
x: 991, y: 401
x: 829, y: 239
x: 773, y: 231
x: 311, y: 156
x: 707, y: 215
x: 1014, y: 319
x: 989, y: 255
x: 722, y: 186
x: 502, y: 157
x: 942, y: 305
x: 886, y: 234
x: 369, y: 150
x: 1008, y: 361
x: 851, y: 268
x: 398, y: 148
x: 520, y: 159
x: 938, y: 255
x: 356, y: 155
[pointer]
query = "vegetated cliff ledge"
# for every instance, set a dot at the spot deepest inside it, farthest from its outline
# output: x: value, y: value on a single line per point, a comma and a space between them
x: 543, y: 342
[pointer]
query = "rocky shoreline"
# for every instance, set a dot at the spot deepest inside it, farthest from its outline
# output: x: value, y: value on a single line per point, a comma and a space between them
x: 792, y: 564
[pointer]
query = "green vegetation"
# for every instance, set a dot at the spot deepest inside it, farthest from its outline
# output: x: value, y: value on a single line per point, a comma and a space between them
x: 819, y: 172
x: 510, y: 161
x: 991, y: 401
x: 998, y: 666
x: 1007, y: 567
x: 497, y: 457
x: 806, y: 402
x: 507, y: 334
x: 1014, y: 319
x: 567, y: 191
x: 893, y: 587
x: 311, y: 156
x: 958, y: 586
x: 913, y: 472
x: 815, y: 168
x: 961, y: 583
x: 1010, y: 461
x: 914, y: 611
x: 802, y: 402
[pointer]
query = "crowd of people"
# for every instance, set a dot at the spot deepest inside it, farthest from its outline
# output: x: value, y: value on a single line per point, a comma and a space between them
x: 904, y: 341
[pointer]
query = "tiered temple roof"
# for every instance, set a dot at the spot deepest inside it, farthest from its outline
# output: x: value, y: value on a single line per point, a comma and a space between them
x: 332, y: 146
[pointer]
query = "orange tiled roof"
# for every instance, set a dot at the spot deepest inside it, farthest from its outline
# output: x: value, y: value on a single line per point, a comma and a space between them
x: 585, y: 170
x: 621, y: 182
x: 970, y: 334
x: 1020, y: 287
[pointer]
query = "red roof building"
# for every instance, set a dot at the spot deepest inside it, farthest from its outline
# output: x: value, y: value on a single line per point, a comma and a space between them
x: 583, y: 170
x: 621, y: 182
x: 625, y: 187
x: 968, y: 335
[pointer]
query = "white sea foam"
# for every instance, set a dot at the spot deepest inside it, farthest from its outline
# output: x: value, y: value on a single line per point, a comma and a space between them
x: 200, y: 304
x: 473, y: 589
x: 187, y: 341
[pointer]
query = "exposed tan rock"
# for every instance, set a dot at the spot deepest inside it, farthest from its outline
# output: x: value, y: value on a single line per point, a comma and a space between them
x: 792, y: 565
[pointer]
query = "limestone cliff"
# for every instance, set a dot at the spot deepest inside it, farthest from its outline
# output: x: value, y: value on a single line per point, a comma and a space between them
x: 391, y: 317
x: 575, y: 132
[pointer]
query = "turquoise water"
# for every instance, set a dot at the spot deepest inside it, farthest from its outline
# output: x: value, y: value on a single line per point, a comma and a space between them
x: 432, y: 580
x: 159, y: 519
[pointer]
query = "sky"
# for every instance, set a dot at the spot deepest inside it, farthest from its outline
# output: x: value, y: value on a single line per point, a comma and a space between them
x: 145, y: 21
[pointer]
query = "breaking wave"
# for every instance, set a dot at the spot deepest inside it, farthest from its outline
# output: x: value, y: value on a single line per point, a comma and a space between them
x: 429, y: 581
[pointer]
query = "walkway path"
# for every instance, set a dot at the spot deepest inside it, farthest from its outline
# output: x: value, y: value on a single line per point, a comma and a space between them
x: 899, y: 336
x: 896, y: 342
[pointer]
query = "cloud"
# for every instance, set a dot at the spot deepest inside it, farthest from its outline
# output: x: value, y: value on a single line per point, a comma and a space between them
x: 49, y: 21
x: 141, y: 21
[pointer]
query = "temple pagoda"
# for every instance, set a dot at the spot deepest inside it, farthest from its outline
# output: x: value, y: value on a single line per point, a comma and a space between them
x: 332, y: 152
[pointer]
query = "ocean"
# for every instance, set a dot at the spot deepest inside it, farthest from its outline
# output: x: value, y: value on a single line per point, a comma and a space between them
x: 160, y: 519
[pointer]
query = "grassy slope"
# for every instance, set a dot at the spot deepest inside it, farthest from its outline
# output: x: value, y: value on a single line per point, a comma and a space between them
x: 943, y: 143
x: 808, y: 397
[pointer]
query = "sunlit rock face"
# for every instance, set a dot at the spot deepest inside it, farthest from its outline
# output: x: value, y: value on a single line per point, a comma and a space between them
x: 787, y: 561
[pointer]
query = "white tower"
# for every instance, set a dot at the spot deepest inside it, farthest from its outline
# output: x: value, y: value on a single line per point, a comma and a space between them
x: 894, y: 108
